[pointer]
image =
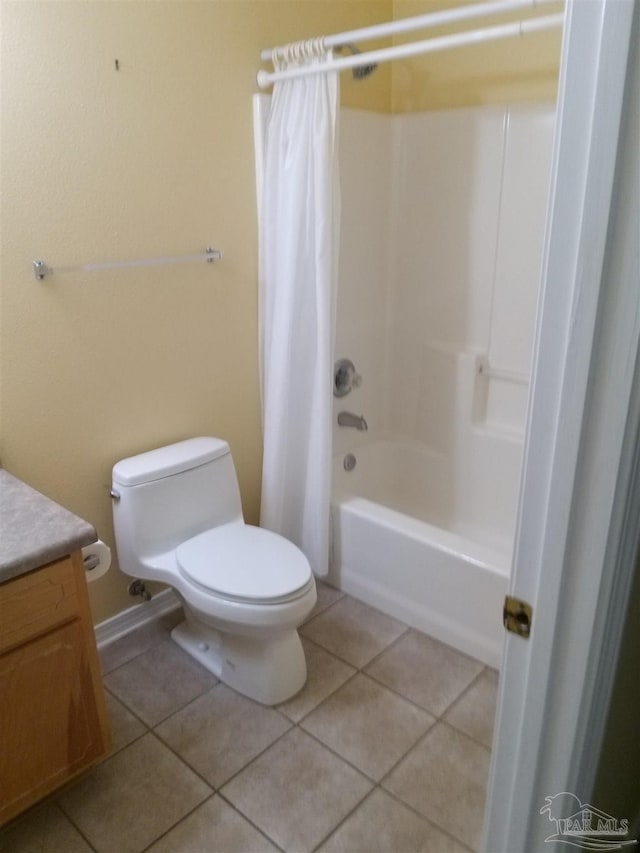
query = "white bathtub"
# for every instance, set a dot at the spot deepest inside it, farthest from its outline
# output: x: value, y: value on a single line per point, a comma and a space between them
x: 401, y: 543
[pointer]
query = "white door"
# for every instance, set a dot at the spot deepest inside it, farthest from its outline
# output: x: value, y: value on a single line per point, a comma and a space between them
x: 586, y: 348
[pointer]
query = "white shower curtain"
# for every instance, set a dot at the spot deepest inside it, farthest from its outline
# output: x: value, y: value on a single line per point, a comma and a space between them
x: 296, y: 157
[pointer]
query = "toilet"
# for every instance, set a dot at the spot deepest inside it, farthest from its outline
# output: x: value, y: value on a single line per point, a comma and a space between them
x: 178, y: 520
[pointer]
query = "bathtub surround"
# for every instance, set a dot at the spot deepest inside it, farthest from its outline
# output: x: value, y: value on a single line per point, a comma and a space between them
x: 299, y: 222
x: 436, y: 305
x: 442, y: 225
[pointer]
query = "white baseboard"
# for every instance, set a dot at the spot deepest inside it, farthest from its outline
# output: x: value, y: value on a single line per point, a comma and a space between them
x: 134, y: 617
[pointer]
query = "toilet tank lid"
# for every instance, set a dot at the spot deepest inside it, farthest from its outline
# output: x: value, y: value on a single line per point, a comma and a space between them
x: 165, y: 461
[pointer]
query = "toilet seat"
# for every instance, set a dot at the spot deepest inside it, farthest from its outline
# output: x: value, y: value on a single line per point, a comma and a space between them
x: 242, y: 563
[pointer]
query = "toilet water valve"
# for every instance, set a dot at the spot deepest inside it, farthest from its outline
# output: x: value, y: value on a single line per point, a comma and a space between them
x: 137, y: 587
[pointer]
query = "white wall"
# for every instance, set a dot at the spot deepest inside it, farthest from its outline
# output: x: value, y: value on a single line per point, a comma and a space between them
x: 363, y: 320
x: 443, y: 220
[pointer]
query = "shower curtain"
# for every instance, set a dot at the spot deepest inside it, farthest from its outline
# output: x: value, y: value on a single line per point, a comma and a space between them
x: 298, y: 212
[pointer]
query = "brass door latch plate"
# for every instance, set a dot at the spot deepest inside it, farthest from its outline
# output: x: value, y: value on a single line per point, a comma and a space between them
x: 517, y: 616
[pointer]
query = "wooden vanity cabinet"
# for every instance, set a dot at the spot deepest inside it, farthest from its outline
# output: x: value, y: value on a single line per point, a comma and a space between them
x: 53, y: 719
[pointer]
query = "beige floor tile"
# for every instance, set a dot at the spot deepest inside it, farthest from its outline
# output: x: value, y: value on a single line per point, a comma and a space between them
x: 327, y: 595
x: 426, y: 671
x: 214, y: 827
x: 141, y: 640
x: 368, y: 725
x: 325, y: 673
x: 125, y: 728
x: 353, y: 630
x: 219, y: 733
x: 297, y: 791
x: 383, y: 825
x: 133, y: 798
x: 158, y: 682
x: 445, y: 779
x: 475, y: 710
x: 44, y: 829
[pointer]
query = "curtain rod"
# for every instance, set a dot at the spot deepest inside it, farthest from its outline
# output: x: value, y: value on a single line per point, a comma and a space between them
x: 421, y: 22
x: 403, y: 51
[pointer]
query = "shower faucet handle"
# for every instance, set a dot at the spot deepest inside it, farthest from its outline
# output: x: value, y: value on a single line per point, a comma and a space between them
x: 345, y: 377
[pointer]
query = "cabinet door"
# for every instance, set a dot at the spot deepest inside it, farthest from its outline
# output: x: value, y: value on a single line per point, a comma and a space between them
x: 49, y: 719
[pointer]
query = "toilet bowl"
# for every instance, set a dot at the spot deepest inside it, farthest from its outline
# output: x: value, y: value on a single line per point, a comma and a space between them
x: 245, y: 590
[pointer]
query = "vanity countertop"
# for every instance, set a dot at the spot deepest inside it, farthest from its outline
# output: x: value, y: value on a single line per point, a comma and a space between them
x: 35, y: 530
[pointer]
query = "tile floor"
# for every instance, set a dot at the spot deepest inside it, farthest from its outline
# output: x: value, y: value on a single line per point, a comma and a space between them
x: 385, y: 749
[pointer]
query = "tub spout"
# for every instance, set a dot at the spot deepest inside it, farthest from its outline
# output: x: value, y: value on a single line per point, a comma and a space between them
x: 349, y: 420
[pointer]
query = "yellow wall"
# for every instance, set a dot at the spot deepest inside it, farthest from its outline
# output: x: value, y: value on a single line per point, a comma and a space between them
x: 154, y: 159
x: 506, y: 71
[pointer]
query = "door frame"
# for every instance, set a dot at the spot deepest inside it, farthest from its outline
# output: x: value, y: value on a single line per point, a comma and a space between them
x: 582, y: 378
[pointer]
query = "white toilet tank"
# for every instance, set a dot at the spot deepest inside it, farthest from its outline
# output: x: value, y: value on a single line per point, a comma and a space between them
x: 165, y: 496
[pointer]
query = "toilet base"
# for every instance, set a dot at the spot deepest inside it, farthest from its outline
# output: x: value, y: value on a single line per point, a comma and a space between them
x: 268, y: 669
